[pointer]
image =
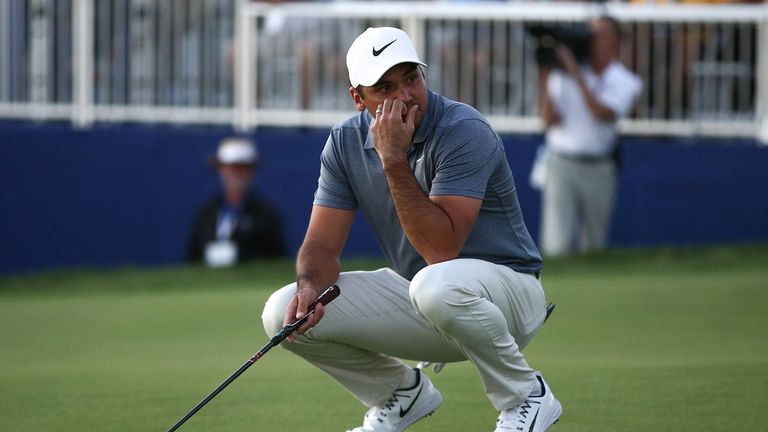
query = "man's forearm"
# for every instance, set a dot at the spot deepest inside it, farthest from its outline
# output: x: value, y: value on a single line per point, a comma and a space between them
x: 598, y: 110
x: 316, y: 268
x: 547, y: 111
x: 427, y: 226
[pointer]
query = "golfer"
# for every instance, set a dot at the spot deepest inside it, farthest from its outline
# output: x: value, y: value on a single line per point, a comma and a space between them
x: 432, y: 179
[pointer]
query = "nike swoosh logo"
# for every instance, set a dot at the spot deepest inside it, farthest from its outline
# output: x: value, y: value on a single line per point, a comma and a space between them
x: 533, y: 423
x: 376, y: 52
x: 403, y: 413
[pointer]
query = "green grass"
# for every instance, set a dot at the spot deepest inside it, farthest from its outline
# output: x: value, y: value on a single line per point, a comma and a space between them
x: 663, y: 340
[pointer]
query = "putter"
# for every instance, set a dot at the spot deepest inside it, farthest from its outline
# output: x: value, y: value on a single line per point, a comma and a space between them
x: 324, y: 298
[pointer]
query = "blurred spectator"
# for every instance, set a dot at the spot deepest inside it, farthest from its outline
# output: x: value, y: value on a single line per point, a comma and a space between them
x: 235, y: 225
x: 580, y: 105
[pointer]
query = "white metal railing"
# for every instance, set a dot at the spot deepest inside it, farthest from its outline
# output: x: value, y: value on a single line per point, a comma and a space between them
x: 704, y: 68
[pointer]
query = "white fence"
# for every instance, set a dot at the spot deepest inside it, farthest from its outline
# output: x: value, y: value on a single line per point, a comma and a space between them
x: 705, y: 68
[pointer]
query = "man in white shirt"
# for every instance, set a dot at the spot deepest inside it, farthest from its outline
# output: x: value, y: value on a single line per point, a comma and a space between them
x: 580, y: 106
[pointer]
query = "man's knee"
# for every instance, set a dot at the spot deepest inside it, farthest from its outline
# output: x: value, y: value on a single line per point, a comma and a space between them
x: 274, y: 309
x: 435, y: 292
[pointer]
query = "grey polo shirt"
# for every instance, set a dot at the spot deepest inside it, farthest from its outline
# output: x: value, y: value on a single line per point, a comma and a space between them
x: 454, y: 152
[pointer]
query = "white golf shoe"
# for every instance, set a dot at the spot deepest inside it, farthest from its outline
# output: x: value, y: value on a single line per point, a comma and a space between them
x: 404, y: 408
x: 536, y: 414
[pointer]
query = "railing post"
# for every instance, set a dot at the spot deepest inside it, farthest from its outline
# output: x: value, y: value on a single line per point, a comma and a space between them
x: 761, y: 108
x: 82, y: 95
x: 39, y: 49
x: 415, y: 26
x: 244, y: 85
x: 5, y: 52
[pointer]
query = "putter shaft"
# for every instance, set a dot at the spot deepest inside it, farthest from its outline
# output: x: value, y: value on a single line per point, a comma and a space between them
x: 324, y: 298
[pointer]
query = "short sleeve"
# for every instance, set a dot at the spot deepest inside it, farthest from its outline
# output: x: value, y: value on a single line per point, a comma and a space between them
x: 555, y: 89
x: 333, y: 188
x: 620, y: 91
x: 467, y: 156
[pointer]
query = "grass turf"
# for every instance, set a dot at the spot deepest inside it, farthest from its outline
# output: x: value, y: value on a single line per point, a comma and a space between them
x: 640, y: 340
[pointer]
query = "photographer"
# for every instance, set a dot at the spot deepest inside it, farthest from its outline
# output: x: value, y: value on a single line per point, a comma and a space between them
x: 580, y: 105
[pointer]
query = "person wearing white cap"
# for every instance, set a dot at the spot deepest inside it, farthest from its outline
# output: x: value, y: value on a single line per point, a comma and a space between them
x: 432, y: 179
x: 236, y: 225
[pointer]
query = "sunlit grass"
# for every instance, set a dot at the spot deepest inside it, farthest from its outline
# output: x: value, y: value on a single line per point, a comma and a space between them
x: 640, y: 340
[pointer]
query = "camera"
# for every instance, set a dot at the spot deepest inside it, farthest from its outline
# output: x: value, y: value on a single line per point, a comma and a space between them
x: 577, y: 37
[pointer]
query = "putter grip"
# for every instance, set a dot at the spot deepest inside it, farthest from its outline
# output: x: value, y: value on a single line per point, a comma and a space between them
x: 325, y: 297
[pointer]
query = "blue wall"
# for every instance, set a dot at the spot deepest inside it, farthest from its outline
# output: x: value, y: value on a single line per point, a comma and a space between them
x: 126, y: 195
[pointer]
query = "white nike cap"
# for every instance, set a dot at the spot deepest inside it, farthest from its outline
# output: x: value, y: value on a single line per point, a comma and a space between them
x: 375, y: 51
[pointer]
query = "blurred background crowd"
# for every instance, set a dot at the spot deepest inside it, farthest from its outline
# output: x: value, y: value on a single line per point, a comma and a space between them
x: 110, y: 108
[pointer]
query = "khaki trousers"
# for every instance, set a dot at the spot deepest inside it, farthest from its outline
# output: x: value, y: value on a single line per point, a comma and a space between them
x: 464, y: 309
x: 577, y: 204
